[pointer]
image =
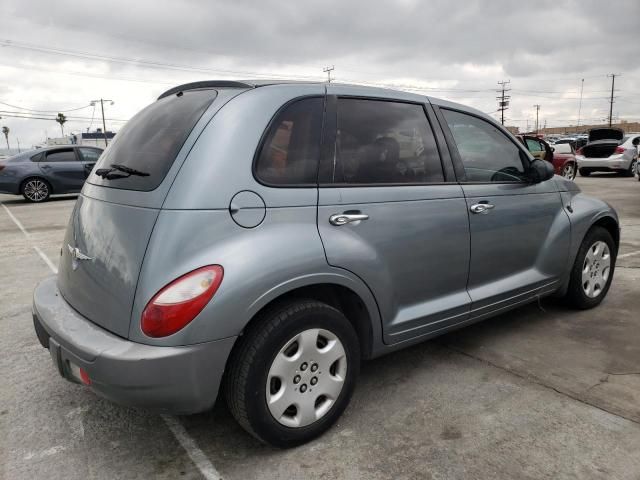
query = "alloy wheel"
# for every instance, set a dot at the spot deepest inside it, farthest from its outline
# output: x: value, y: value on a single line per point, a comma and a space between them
x: 306, y: 377
x: 596, y: 269
x: 569, y: 171
x: 36, y: 190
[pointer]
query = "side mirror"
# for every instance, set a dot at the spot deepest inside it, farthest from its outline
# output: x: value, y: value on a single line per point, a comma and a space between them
x: 553, y: 149
x: 540, y: 171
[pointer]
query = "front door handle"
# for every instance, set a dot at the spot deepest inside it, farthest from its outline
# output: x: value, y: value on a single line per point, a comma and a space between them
x: 481, y: 208
x: 340, y: 219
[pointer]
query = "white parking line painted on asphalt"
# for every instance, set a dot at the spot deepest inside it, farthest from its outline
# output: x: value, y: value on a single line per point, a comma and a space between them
x: 188, y: 443
x: 46, y: 259
x: 631, y: 254
x: 198, y: 457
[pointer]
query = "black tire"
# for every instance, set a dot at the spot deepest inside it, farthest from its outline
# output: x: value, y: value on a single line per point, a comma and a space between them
x: 35, y: 190
x: 584, y: 172
x: 631, y: 171
x: 253, y: 355
x: 575, y: 294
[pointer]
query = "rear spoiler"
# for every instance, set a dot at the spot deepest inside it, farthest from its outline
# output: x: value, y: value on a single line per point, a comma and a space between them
x: 206, y: 84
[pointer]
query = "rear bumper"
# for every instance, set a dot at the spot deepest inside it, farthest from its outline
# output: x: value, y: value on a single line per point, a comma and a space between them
x: 617, y: 162
x: 178, y: 380
x: 9, y: 185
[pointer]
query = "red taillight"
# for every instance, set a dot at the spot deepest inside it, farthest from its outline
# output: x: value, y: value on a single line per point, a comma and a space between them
x: 84, y: 376
x: 619, y: 149
x: 175, y: 305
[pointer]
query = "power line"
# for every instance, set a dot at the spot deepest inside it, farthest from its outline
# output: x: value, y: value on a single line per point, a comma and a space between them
x: 137, y: 61
x: 45, y: 111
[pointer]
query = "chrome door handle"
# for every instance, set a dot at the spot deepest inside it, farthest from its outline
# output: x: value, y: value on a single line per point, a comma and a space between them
x: 481, y: 208
x: 343, y: 218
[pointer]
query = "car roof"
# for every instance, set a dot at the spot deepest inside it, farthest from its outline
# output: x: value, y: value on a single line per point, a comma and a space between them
x: 361, y: 89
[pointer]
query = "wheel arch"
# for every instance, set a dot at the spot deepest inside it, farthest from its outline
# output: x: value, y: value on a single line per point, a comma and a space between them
x: 354, y: 300
x: 611, y: 225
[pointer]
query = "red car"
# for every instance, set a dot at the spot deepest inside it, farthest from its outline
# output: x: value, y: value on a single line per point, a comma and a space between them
x: 562, y: 156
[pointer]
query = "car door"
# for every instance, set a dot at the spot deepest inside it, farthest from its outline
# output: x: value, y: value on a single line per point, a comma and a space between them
x: 63, y: 169
x: 89, y: 158
x: 520, y: 232
x: 388, y: 213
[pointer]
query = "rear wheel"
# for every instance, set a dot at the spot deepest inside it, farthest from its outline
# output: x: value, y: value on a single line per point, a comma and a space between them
x: 569, y: 171
x: 293, y: 372
x: 35, y: 190
x: 593, y: 269
x: 632, y: 168
x: 584, y: 172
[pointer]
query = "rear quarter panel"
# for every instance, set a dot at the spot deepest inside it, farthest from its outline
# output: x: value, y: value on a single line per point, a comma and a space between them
x: 260, y: 264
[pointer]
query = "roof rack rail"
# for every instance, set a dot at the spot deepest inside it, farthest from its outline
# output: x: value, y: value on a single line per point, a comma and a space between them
x: 206, y: 84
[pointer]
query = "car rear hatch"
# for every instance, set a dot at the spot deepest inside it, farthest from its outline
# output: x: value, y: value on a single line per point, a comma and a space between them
x: 602, y: 142
x: 114, y: 217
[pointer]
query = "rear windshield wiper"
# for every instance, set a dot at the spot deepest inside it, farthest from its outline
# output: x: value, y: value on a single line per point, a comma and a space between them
x: 109, y: 175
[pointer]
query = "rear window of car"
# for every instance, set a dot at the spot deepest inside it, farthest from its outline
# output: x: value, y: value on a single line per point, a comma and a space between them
x: 150, y: 141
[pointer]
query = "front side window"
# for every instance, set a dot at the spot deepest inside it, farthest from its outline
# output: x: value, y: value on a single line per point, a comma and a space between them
x: 290, y: 152
x: 382, y: 142
x: 61, y: 156
x: 487, y: 154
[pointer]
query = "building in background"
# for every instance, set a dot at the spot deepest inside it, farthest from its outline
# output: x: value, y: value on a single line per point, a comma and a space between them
x: 91, y: 139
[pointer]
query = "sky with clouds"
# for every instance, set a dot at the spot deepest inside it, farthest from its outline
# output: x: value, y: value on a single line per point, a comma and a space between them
x: 59, y: 55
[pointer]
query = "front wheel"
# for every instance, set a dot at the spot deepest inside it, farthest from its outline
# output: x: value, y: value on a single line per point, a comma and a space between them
x: 35, y: 190
x: 592, y: 270
x: 293, y: 372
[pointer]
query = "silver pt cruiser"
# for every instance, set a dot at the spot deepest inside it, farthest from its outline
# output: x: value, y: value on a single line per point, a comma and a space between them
x: 270, y: 236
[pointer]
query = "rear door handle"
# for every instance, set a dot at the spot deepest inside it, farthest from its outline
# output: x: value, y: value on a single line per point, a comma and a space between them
x: 340, y: 219
x: 481, y: 208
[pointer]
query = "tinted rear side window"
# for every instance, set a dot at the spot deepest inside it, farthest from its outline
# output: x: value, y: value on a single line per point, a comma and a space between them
x: 381, y: 142
x: 289, y: 154
x: 151, y: 140
x: 61, y: 156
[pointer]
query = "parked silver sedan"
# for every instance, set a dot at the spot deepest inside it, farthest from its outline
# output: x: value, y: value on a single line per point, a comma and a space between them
x: 609, y: 150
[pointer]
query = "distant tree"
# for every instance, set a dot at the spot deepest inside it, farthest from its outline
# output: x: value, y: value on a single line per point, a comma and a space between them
x: 61, y: 119
x: 5, y: 130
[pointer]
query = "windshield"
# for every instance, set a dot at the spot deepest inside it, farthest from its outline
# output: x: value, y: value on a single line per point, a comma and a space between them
x: 149, y: 143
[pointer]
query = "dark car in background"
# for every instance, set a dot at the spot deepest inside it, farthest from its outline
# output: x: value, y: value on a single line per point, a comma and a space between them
x: 38, y: 174
x: 561, y: 155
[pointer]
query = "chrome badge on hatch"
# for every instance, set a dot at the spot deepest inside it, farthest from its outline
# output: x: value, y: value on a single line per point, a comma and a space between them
x: 77, y: 255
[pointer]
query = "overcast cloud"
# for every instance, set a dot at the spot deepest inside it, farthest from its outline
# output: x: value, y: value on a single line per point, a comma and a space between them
x: 456, y: 50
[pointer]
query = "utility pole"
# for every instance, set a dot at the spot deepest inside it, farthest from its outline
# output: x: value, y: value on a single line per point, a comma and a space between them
x: 580, y: 105
x: 104, y: 125
x: 613, y: 83
x: 537, y: 113
x: 503, y: 100
x: 328, y: 70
